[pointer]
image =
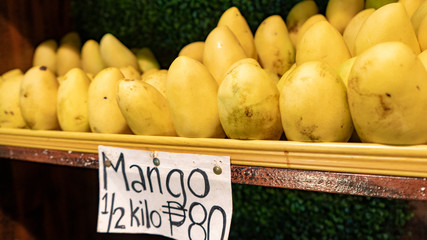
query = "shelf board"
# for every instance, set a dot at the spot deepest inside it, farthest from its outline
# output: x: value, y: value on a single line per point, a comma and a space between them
x: 407, y: 161
x: 344, y: 168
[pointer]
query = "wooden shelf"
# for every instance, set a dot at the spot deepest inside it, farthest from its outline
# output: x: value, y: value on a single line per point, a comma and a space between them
x: 323, y: 181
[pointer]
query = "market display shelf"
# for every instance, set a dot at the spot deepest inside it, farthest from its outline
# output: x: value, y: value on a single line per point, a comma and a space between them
x: 347, y: 168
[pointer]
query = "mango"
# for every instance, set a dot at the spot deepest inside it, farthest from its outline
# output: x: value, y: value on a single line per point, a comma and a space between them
x: 389, y: 107
x: 194, y: 50
x: 72, y: 101
x: 91, y: 57
x: 103, y: 111
x: 68, y: 53
x: 37, y: 98
x: 340, y: 12
x: 248, y: 104
x: 145, y: 109
x: 297, y: 16
x: 12, y: 73
x: 146, y: 59
x: 233, y: 19
x: 344, y: 70
x: 353, y: 28
x: 275, y: 49
x: 192, y: 96
x: 222, y: 49
x: 388, y: 23
x: 115, y: 54
x: 10, y: 111
x: 45, y: 54
x: 157, y: 79
x: 322, y: 42
x: 313, y: 105
x: 307, y: 24
x: 130, y: 72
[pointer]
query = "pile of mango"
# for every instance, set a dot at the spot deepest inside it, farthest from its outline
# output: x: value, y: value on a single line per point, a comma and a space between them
x: 356, y: 72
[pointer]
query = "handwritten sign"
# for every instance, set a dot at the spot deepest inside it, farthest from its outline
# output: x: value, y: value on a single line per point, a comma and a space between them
x: 181, y: 196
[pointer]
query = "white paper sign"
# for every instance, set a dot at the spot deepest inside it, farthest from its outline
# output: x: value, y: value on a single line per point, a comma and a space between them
x: 187, y: 196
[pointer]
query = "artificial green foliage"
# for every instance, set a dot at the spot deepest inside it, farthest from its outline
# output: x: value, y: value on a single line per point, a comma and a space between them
x: 166, y: 26
x: 273, y: 213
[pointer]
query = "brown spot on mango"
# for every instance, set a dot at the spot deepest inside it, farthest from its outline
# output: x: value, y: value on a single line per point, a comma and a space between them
x: 248, y: 112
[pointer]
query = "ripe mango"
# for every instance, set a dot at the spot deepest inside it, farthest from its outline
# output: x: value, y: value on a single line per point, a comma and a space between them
x: 322, y: 42
x: 340, y: 12
x: 222, y: 49
x: 91, y: 57
x: 353, y: 28
x: 10, y: 112
x: 248, y: 104
x: 388, y: 23
x: 146, y: 59
x: 72, y: 103
x: 313, y: 105
x: 115, y: 54
x: 192, y: 96
x: 275, y: 49
x: 233, y: 19
x: 45, y: 54
x: 68, y: 53
x: 157, y: 79
x: 37, y: 98
x: 104, y: 112
x: 145, y: 109
x: 387, y: 95
x: 194, y: 50
x: 297, y: 16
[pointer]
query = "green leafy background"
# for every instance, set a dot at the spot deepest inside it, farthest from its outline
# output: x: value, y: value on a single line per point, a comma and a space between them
x: 166, y: 26
x: 274, y: 213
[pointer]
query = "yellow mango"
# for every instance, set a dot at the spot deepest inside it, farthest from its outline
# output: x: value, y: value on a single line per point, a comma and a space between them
x: 157, y: 79
x: 37, y: 98
x: 353, y: 28
x: 282, y: 79
x: 322, y: 42
x: 340, y: 12
x: 115, y: 54
x: 411, y: 5
x: 307, y: 24
x: 240, y: 62
x: 91, y: 57
x: 45, y: 54
x: 10, y: 111
x: 68, y: 53
x: 313, y: 105
x: 72, y: 101
x: 345, y: 69
x: 275, y: 49
x: 12, y: 73
x: 423, y: 57
x: 145, y: 109
x: 192, y: 96
x: 103, y: 111
x: 194, y: 50
x: 222, y: 49
x: 130, y: 72
x: 388, y: 23
x: 248, y: 104
x: 297, y: 15
x: 233, y: 19
x: 146, y: 59
x: 387, y: 95
x: 418, y: 16
x: 422, y: 34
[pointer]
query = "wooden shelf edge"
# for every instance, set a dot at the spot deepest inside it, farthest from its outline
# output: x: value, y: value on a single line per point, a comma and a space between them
x: 322, y: 181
